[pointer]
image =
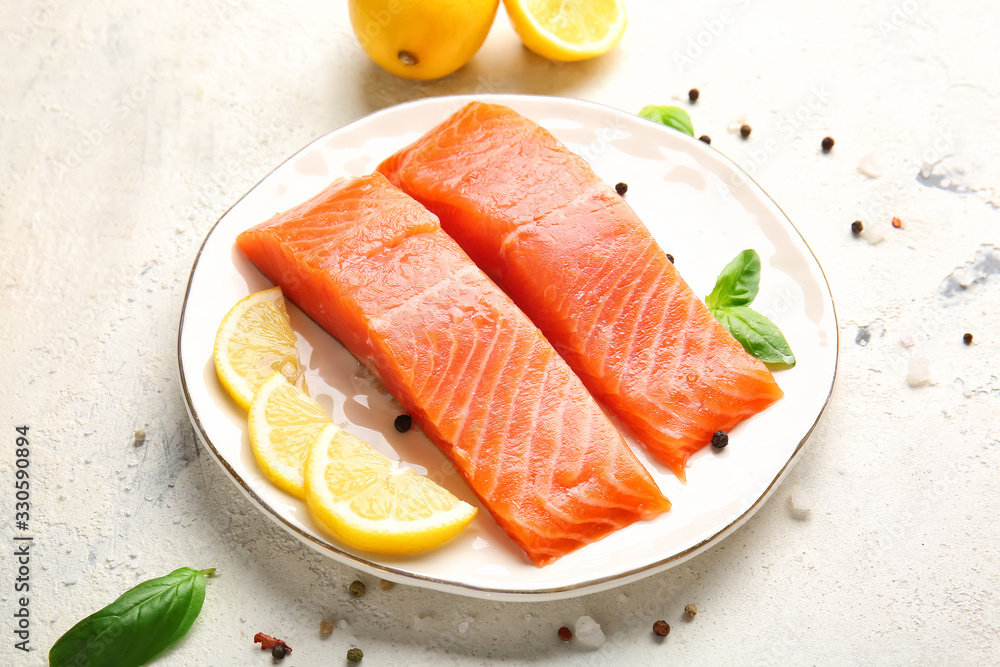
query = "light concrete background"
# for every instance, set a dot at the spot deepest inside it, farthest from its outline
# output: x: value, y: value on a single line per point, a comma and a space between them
x: 127, y: 128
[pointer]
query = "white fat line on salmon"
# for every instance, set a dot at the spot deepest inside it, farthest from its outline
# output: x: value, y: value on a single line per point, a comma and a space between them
x: 473, y: 385
x: 484, y: 400
x: 395, y: 241
x: 433, y: 290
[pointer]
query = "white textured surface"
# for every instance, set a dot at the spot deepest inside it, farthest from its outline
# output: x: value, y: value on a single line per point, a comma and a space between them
x: 127, y: 128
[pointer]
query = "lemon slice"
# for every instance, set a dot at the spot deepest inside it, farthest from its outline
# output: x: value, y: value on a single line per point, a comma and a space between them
x: 373, y: 504
x: 254, y: 340
x: 568, y: 29
x: 284, y: 422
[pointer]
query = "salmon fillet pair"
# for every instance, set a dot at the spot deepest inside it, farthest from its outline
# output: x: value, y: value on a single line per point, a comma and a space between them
x: 375, y: 269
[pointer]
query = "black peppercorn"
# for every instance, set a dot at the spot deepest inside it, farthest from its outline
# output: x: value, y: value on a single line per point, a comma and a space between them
x: 356, y: 589
x: 621, y: 189
x: 693, y: 94
x: 856, y: 227
x: 403, y: 423
x: 661, y: 628
x: 827, y: 144
x: 967, y: 339
x: 707, y: 139
x: 745, y: 130
x: 355, y: 655
x: 279, y: 652
x: 720, y: 439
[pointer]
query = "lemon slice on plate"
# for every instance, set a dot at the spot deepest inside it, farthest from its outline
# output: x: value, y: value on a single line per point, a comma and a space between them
x: 568, y: 29
x: 284, y: 422
x: 254, y: 340
x: 371, y: 503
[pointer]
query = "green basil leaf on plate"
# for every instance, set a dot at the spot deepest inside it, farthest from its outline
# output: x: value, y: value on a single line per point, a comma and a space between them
x: 137, y: 627
x: 758, y: 335
x: 670, y: 116
x: 738, y: 283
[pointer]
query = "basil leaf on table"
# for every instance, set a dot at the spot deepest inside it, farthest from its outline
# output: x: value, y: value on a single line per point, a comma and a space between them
x: 758, y: 335
x: 138, y: 626
x: 738, y: 283
x: 670, y: 116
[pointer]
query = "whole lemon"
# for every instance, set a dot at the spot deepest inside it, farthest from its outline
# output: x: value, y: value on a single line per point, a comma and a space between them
x: 422, y: 39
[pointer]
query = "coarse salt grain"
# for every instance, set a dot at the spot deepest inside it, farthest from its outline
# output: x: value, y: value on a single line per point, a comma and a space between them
x: 869, y: 166
x: 874, y: 233
x: 588, y: 632
x: 802, y: 500
x: 918, y: 371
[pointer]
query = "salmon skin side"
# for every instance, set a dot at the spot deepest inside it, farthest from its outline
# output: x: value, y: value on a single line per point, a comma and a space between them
x: 374, y: 268
x: 577, y: 259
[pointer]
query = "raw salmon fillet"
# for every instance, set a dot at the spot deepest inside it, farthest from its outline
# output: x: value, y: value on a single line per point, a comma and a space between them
x: 374, y: 268
x: 577, y: 259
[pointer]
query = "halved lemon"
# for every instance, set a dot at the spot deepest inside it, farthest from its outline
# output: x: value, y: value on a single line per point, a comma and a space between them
x: 254, y: 340
x: 568, y: 29
x: 372, y: 503
x: 284, y: 421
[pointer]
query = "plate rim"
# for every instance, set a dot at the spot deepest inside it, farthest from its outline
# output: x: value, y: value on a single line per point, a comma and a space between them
x: 466, y: 589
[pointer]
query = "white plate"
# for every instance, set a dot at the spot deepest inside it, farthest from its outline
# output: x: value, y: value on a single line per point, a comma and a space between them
x: 699, y: 206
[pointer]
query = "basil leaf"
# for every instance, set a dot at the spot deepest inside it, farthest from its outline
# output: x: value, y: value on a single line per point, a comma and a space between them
x: 738, y: 283
x: 758, y: 335
x: 138, y: 626
x: 674, y: 117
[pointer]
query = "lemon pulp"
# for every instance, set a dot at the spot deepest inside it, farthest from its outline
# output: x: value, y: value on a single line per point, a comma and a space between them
x: 372, y: 503
x: 254, y: 340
